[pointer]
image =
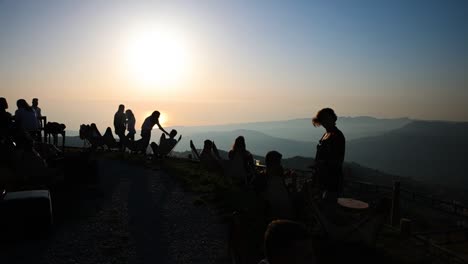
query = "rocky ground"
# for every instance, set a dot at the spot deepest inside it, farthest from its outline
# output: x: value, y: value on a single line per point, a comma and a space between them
x: 131, y: 214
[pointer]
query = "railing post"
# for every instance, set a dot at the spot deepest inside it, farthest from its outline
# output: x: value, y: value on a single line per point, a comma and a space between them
x: 395, y: 214
x: 405, y: 227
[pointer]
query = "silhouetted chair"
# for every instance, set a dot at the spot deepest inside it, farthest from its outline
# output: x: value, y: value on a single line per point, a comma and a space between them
x: 165, y: 147
x: 109, y: 140
x: 91, y: 136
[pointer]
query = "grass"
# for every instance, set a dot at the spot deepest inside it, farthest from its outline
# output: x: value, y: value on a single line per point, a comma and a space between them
x: 226, y: 197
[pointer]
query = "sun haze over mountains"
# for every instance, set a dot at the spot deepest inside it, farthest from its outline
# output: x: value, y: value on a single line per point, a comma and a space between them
x: 220, y: 62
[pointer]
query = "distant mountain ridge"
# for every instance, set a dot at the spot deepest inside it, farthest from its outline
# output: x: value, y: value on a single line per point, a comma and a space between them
x: 433, y: 151
x: 258, y: 143
x: 301, y: 129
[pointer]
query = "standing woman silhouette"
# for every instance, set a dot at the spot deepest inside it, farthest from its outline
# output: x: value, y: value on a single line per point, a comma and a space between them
x: 130, y: 124
x: 330, y: 155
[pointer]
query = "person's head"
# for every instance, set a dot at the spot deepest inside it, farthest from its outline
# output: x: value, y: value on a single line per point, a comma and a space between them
x: 207, y: 145
x: 22, y: 104
x: 273, y: 159
x: 3, y: 103
x: 325, y: 117
x: 35, y: 102
x: 289, y: 242
x: 239, y: 144
x: 121, y: 108
x: 129, y: 113
x: 155, y: 116
x: 173, y: 133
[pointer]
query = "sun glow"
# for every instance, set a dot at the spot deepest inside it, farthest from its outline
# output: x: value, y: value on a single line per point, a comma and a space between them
x: 158, y: 56
x: 163, y: 119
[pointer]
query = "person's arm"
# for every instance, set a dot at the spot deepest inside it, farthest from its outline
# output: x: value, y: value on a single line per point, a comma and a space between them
x: 250, y: 162
x: 161, y: 128
x: 194, y: 150
x: 215, y: 151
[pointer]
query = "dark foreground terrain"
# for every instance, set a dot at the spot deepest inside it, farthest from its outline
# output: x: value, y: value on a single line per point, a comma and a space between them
x: 129, y: 214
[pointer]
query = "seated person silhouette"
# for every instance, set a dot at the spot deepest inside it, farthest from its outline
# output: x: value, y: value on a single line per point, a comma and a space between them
x: 287, y: 242
x: 276, y: 194
x: 94, y: 131
x: 242, y: 162
x: 92, y: 135
x: 209, y: 156
x: 109, y: 139
x: 165, y: 144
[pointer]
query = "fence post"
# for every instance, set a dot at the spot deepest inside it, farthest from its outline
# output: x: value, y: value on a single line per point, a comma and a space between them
x: 405, y: 227
x: 395, y: 214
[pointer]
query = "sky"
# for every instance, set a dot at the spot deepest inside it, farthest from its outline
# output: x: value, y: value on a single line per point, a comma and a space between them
x: 217, y: 62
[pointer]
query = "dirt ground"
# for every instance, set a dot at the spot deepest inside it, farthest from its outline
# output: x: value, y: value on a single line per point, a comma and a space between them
x: 130, y: 214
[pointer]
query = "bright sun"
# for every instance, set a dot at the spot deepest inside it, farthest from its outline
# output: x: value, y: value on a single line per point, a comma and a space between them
x: 158, y: 56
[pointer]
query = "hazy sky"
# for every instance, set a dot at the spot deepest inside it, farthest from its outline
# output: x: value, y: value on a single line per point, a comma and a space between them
x: 242, y: 60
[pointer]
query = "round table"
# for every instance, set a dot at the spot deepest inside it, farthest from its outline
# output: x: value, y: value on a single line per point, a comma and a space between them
x: 352, y: 204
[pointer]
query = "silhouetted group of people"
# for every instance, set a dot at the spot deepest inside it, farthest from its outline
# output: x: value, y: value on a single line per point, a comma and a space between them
x: 124, y: 128
x: 286, y: 241
x: 25, y: 122
x: 22, y: 149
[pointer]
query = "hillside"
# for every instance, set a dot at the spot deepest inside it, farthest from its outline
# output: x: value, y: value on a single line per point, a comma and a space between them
x: 436, y: 152
x: 302, y: 129
x: 429, y: 151
x: 258, y: 143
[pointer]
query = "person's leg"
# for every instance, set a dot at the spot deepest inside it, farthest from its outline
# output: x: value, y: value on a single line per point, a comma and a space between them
x: 145, y: 140
x: 122, y: 138
x: 131, y: 136
x: 155, y: 149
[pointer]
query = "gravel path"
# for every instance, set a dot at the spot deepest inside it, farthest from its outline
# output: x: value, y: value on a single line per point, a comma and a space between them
x: 139, y: 216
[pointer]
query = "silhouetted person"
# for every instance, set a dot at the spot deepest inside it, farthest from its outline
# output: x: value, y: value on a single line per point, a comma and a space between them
x: 279, y: 203
x: 109, y: 139
x: 239, y: 151
x: 130, y: 124
x: 92, y: 135
x: 209, y: 156
x: 165, y: 144
x: 120, y: 120
x: 5, y: 118
x: 148, y: 125
x: 37, y: 110
x: 94, y: 131
x: 25, y: 118
x: 288, y: 242
x: 330, y: 154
